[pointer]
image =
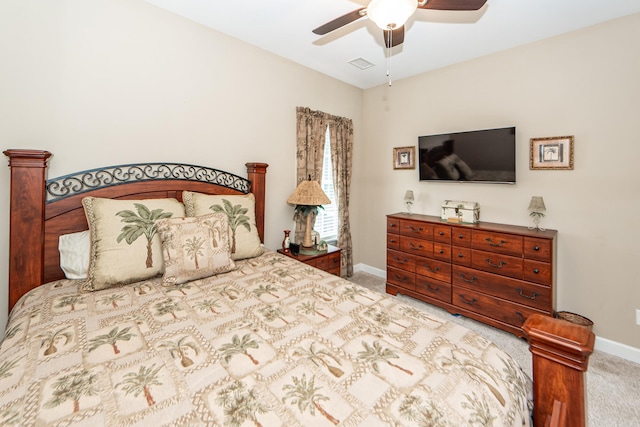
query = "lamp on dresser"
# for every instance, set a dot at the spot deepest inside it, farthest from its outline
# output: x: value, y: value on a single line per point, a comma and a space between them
x: 537, y: 210
x: 408, y: 200
x: 308, y: 197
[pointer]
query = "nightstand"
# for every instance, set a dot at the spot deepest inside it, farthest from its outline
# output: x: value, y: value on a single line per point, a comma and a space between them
x: 328, y: 261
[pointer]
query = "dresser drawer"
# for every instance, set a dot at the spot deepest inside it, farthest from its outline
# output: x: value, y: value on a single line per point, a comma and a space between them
x: 460, y: 237
x: 461, y: 256
x: 497, y: 242
x: 433, y: 288
x: 442, y: 233
x: 504, y: 265
x: 416, y: 246
x: 401, y: 278
x: 538, y: 249
x: 442, y: 251
x: 496, y: 308
x: 435, y: 269
x: 536, y: 271
x: 393, y: 241
x: 393, y: 225
x: 418, y: 229
x: 519, y: 291
x: 333, y: 263
x: 322, y: 263
x: 401, y: 260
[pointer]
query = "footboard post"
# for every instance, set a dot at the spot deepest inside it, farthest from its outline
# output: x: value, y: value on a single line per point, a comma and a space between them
x: 26, y: 233
x: 561, y: 353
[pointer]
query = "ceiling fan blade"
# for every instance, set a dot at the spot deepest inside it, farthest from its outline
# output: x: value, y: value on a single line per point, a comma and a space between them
x: 397, y: 37
x: 453, y: 4
x: 340, y: 22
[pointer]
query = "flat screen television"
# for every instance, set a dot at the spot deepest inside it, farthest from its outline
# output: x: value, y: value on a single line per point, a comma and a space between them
x: 487, y: 156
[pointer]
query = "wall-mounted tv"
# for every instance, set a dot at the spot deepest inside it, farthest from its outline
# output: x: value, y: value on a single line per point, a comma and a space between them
x: 487, y: 156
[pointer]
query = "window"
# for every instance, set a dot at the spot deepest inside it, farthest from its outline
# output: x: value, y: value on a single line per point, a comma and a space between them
x: 327, y: 219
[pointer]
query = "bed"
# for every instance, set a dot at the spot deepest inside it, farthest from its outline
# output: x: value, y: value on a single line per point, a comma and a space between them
x: 260, y: 339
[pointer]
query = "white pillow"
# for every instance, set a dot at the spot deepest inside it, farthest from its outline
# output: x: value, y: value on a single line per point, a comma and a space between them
x: 74, y: 254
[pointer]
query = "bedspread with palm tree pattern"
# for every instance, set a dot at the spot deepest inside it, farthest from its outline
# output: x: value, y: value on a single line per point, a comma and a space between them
x: 273, y: 343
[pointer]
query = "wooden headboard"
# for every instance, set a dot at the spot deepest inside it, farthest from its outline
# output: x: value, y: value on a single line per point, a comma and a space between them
x: 42, y: 210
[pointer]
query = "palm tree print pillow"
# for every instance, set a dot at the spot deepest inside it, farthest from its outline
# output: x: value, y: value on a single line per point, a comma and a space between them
x: 241, y: 212
x: 125, y: 246
x: 195, y: 247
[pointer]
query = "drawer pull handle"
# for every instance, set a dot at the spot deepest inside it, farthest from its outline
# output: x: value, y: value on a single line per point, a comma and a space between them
x: 536, y: 271
x: 473, y: 278
x: 533, y: 296
x: 460, y: 255
x: 488, y: 239
x: 433, y: 289
x: 471, y: 301
x: 401, y: 260
x: 433, y: 270
x: 499, y: 265
x: 392, y: 225
x: 401, y: 278
x: 416, y: 247
x: 441, y: 233
x: 441, y: 251
x: 416, y: 230
x: 520, y: 316
x: 460, y: 236
x: 392, y: 240
x: 536, y: 248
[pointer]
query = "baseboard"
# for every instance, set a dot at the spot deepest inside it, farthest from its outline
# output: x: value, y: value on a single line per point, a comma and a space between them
x: 618, y: 349
x: 602, y: 344
x: 371, y: 270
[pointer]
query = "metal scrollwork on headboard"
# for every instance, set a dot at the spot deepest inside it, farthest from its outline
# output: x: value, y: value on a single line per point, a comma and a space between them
x: 81, y: 182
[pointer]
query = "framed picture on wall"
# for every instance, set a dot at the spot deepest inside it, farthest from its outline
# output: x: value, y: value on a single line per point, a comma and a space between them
x: 554, y: 152
x: 404, y: 158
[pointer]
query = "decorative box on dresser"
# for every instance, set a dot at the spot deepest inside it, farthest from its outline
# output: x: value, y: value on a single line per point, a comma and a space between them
x: 496, y: 273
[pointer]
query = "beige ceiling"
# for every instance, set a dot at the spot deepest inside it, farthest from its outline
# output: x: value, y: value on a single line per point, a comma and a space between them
x: 433, y: 39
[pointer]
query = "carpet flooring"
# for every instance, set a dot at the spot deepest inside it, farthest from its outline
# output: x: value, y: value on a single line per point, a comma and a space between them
x: 613, y: 383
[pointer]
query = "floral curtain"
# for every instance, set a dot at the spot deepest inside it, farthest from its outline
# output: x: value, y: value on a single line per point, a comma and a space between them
x: 311, y: 130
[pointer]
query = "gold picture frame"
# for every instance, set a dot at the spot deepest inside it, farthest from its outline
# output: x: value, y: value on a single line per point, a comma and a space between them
x: 554, y: 152
x: 404, y: 158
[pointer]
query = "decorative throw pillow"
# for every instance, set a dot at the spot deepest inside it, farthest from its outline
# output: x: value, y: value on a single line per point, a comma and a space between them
x: 74, y: 251
x: 125, y: 247
x: 241, y: 211
x: 194, y: 247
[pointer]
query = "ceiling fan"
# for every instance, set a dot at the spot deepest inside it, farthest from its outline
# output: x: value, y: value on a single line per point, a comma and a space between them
x: 391, y: 15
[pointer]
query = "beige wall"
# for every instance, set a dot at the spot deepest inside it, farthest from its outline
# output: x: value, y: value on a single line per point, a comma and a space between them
x: 585, y: 84
x: 121, y: 81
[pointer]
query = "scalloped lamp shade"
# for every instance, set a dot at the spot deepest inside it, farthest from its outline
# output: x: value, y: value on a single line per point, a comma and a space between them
x: 308, y: 193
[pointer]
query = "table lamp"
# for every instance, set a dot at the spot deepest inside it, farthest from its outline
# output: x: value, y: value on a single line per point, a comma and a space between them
x: 537, y: 210
x: 307, y: 197
x: 409, y: 199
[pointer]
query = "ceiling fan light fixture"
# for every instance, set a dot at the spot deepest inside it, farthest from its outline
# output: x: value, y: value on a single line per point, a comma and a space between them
x: 390, y: 14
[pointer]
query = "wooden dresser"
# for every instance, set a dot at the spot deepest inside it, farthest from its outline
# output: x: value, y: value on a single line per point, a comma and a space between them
x: 496, y: 273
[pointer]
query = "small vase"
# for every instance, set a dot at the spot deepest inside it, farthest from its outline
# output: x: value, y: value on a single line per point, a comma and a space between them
x: 287, y: 241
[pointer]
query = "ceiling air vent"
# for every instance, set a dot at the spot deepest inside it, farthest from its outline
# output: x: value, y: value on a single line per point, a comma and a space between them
x: 361, y: 63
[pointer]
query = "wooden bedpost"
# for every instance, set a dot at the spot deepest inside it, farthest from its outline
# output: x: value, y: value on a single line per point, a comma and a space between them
x: 256, y: 173
x: 561, y: 353
x: 26, y: 234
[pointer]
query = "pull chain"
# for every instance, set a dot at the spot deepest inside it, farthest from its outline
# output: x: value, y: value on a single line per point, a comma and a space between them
x: 389, y: 54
